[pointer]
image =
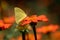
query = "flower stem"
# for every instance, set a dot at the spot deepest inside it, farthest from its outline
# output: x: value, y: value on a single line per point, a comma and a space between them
x: 48, y: 34
x: 34, y: 29
x: 23, y: 35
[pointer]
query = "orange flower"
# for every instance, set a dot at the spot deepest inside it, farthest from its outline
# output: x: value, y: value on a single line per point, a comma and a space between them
x: 48, y: 28
x: 44, y: 29
x: 30, y: 19
x: 39, y: 36
x: 39, y: 28
x: 31, y: 36
x: 19, y: 38
x: 1, y: 23
x: 26, y: 21
x: 9, y: 19
x: 55, y: 28
x: 42, y: 18
x: 34, y: 18
x: 52, y: 27
x: 7, y: 26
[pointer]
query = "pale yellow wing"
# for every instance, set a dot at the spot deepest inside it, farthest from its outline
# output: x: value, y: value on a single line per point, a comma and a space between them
x: 19, y: 14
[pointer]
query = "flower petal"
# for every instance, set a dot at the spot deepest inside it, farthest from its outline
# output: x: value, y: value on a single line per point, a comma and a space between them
x: 42, y: 18
x: 9, y: 19
x: 25, y: 21
x: 1, y: 23
x: 7, y: 25
x: 34, y: 18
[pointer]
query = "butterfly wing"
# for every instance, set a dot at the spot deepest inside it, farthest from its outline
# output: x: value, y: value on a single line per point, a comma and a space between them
x: 19, y: 14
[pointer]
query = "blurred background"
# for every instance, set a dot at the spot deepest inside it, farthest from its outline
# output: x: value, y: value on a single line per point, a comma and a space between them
x: 50, y: 8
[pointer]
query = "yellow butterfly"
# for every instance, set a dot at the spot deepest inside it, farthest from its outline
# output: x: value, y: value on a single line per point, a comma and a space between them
x: 19, y: 14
